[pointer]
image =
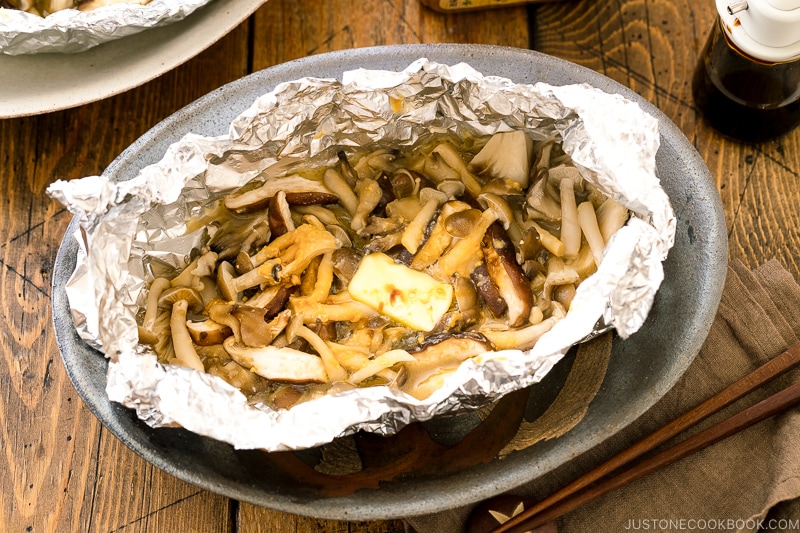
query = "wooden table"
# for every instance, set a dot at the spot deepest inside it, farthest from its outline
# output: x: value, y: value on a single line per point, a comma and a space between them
x: 60, y: 469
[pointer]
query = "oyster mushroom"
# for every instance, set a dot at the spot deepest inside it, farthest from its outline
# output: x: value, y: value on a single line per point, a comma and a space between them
x: 339, y: 186
x: 278, y: 364
x: 501, y: 262
x: 505, y: 155
x: 255, y: 329
x: 467, y: 311
x: 298, y: 191
x: 438, y: 355
x: 519, y: 339
x: 290, y: 254
x: 369, y: 196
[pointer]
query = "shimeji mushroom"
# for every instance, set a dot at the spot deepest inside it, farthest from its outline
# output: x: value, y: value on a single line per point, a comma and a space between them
x: 449, y: 154
x: 180, y: 299
x: 430, y: 200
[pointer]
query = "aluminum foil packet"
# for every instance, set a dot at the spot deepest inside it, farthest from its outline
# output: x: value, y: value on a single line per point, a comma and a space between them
x: 72, y: 30
x: 611, y: 140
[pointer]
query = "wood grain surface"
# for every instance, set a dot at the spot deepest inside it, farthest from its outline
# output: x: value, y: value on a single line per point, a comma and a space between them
x: 60, y: 470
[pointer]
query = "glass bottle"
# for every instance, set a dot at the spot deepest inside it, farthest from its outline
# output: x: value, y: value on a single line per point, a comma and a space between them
x: 747, y: 81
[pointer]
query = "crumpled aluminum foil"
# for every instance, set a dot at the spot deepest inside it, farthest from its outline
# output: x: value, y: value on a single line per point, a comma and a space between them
x: 71, y: 30
x: 611, y: 140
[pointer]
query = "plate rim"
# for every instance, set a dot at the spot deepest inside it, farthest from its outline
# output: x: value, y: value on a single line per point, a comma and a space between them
x: 424, y: 502
x: 156, y: 51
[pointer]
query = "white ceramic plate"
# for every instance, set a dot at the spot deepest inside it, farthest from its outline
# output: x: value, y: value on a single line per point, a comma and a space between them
x: 41, y: 83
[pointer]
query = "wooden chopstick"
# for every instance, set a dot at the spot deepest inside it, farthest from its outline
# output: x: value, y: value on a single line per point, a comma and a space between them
x: 558, y: 503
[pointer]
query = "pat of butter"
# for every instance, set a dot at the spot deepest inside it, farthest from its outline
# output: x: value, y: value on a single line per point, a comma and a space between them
x: 413, y: 298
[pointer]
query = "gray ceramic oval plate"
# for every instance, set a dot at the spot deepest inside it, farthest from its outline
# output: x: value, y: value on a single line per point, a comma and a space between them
x: 642, y: 368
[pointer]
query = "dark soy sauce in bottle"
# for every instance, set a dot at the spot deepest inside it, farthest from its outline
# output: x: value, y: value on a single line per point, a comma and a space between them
x: 743, y: 96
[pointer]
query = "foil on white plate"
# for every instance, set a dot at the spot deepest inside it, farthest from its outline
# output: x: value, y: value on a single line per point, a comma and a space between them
x: 72, y: 30
x: 611, y: 140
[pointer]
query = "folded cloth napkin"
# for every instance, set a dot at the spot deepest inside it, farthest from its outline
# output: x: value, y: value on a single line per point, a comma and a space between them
x: 747, y: 482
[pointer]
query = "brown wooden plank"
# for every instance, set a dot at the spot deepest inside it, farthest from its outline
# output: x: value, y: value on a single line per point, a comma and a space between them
x: 317, y: 27
x: 653, y: 47
x: 62, y: 471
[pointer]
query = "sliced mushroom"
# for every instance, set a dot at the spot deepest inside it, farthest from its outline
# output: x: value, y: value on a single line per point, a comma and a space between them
x: 501, y: 262
x: 207, y: 332
x: 279, y: 215
x: 544, y: 201
x: 488, y: 290
x: 298, y: 191
x: 453, y: 159
x: 278, y: 364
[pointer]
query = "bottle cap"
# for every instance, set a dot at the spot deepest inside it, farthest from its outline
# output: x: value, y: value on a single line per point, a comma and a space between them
x: 768, y: 30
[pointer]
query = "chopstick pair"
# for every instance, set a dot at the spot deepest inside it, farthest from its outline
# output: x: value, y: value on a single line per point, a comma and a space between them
x: 569, y: 497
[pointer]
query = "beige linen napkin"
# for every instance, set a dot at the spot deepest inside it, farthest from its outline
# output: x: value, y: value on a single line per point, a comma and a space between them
x: 748, y: 482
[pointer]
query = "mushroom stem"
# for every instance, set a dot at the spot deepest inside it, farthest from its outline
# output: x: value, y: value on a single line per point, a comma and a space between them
x: 158, y: 286
x: 570, y: 229
x: 520, y: 339
x: 185, y: 354
x: 588, y: 222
